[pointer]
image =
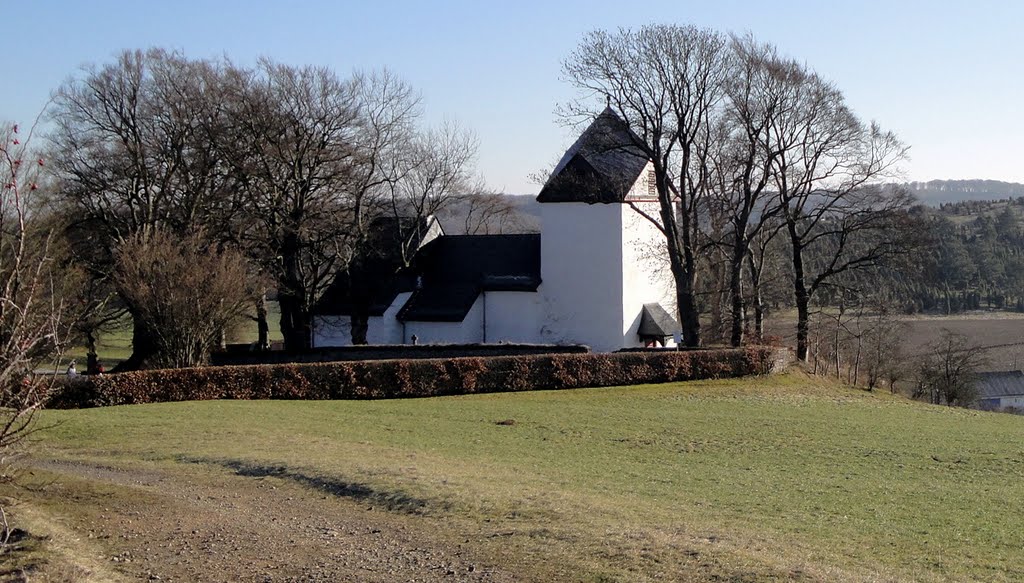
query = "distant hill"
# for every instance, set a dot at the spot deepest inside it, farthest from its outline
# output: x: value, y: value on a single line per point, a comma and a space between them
x: 931, y: 193
x: 979, y: 197
x: 494, y: 214
x: 936, y: 192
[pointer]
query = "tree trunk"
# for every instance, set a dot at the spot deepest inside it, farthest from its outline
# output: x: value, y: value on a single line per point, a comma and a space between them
x: 757, y: 300
x: 143, y: 347
x: 736, y: 290
x: 92, y: 360
x: 856, y: 361
x: 262, y: 326
x: 801, y: 294
x: 360, y: 324
x: 683, y: 265
x: 296, y: 320
x: 689, y: 317
x: 803, y: 312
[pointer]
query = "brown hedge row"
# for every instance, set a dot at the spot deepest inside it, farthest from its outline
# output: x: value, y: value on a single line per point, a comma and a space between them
x: 387, y: 379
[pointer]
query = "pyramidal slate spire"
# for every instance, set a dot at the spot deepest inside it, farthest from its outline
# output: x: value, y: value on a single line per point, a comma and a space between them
x: 600, y: 167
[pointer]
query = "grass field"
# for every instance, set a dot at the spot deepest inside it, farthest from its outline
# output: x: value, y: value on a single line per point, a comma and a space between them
x: 741, y: 480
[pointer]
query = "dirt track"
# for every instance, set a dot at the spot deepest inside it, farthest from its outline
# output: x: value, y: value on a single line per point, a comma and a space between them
x: 239, y: 525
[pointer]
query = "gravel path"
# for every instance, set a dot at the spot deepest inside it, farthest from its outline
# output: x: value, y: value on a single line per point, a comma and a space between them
x: 223, y: 526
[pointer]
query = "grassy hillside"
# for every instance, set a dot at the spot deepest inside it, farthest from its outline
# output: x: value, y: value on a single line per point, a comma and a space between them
x: 747, y: 480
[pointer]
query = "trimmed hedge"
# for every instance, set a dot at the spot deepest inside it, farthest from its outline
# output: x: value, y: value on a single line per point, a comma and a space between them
x: 388, y: 379
x: 240, y: 354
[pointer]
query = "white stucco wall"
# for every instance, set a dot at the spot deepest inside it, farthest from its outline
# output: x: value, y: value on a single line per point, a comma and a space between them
x: 469, y: 330
x: 387, y: 329
x: 434, y: 230
x: 512, y: 316
x: 646, y: 275
x: 581, y: 258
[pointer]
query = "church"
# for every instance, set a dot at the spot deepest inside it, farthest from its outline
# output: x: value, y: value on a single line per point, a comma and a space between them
x: 596, y: 274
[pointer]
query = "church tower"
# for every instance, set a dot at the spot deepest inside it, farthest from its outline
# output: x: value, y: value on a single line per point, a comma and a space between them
x: 606, y: 279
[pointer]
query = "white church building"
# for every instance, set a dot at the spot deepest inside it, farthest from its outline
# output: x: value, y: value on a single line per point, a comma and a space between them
x: 596, y: 274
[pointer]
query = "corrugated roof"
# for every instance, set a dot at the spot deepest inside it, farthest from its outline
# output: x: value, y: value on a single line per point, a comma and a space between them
x: 656, y: 321
x: 600, y: 167
x: 1008, y: 383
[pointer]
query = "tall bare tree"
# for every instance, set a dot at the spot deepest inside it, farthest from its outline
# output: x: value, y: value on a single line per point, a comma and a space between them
x: 291, y: 145
x: 666, y: 83
x: 132, y: 150
x: 827, y: 171
x: 754, y: 98
x: 404, y: 174
x: 431, y: 171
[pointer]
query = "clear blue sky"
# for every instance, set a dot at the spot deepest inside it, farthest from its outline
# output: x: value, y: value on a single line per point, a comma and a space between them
x: 948, y: 77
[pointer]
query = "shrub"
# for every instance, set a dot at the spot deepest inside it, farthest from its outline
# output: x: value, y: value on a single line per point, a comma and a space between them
x: 385, y: 379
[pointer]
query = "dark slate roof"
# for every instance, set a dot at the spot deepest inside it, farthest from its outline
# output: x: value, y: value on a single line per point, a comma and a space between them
x: 600, y: 167
x: 1008, y: 383
x: 454, y: 269
x: 380, y: 271
x: 656, y: 321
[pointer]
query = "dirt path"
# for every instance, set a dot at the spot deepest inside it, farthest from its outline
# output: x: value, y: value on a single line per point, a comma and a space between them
x: 230, y: 525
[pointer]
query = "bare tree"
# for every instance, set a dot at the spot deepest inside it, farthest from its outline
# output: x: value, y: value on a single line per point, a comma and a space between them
x: 481, y: 212
x: 883, y: 343
x: 32, y: 319
x: 187, y: 293
x: 765, y: 272
x: 826, y: 172
x: 291, y: 147
x: 405, y: 175
x: 754, y: 94
x: 432, y: 170
x: 666, y: 83
x: 133, y: 152
x: 949, y: 373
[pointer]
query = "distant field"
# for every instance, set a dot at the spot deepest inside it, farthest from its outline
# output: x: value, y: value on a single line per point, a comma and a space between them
x: 758, y: 479
x: 1002, y: 332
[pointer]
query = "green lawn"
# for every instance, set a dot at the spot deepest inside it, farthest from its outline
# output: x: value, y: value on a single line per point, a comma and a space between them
x: 785, y: 477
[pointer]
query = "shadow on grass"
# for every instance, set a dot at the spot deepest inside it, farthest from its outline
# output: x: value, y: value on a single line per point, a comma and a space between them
x: 24, y: 556
x: 391, y: 500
